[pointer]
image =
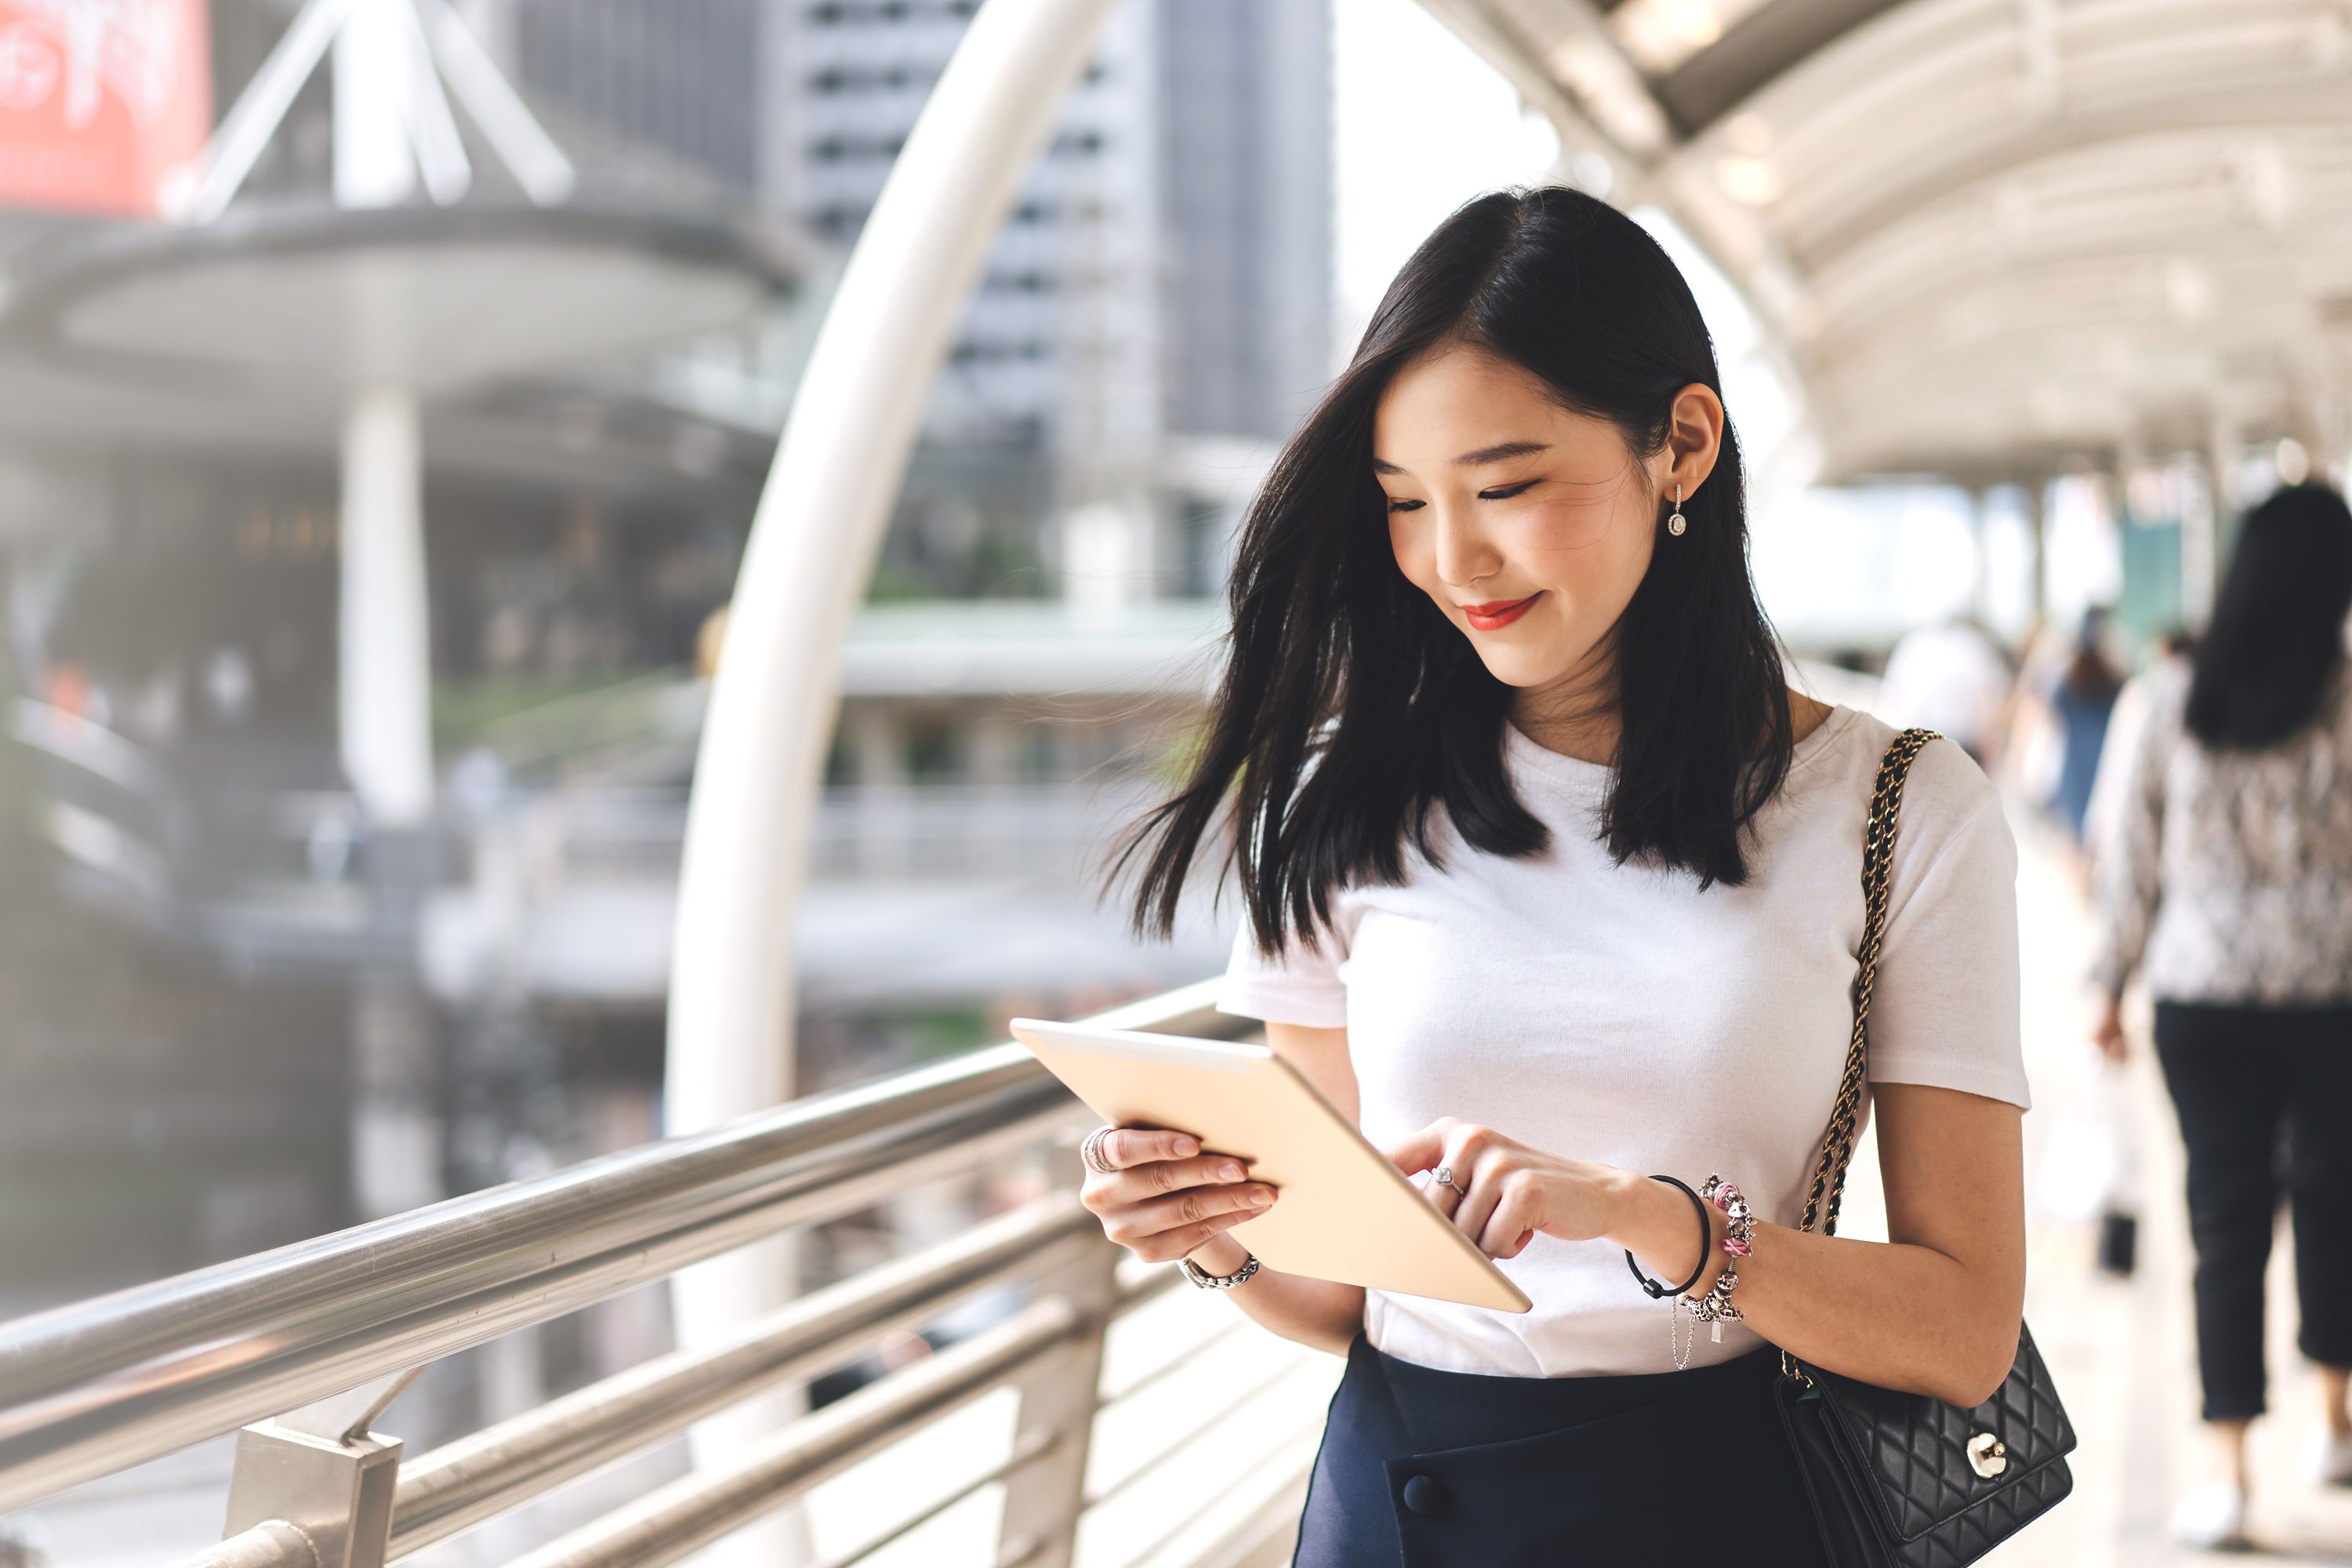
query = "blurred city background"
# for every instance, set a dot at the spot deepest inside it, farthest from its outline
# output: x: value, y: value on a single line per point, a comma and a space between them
x: 386, y: 390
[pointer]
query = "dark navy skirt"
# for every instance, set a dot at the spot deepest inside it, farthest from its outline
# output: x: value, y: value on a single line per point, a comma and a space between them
x: 1421, y: 1467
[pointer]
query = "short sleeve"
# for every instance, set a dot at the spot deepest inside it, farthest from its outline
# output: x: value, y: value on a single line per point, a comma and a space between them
x: 1944, y: 1009
x: 1298, y: 986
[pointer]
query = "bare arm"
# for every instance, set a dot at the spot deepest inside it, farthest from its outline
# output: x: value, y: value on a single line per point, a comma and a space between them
x: 1936, y: 1308
x: 1314, y: 1312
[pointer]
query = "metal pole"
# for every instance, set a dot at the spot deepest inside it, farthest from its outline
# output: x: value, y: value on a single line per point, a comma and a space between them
x: 811, y: 552
x: 385, y: 698
x: 386, y: 671
x: 2037, y: 517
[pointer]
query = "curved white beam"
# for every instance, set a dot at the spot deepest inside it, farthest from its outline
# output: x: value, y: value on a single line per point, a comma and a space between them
x: 813, y: 544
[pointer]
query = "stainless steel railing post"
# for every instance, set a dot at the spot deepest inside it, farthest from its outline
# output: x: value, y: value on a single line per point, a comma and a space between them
x: 1058, y: 1392
x: 322, y: 1472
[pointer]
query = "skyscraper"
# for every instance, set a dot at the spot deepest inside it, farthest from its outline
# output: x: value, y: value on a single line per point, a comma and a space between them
x: 1162, y: 279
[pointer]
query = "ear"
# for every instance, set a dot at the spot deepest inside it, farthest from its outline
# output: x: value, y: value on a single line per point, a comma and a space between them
x: 1694, y: 437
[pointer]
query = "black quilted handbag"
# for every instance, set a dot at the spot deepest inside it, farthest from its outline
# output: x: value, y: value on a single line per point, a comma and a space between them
x: 1896, y: 1480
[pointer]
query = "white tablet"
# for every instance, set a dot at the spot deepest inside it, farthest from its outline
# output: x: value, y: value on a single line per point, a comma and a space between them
x: 1345, y: 1213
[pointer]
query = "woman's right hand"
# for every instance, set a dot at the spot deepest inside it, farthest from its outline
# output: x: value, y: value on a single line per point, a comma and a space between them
x: 1164, y: 1197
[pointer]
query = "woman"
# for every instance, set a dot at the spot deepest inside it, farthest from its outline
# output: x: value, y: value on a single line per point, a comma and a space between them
x: 1553, y: 884
x: 2224, y: 872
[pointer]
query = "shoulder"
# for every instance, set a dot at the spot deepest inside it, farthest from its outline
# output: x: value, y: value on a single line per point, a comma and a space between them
x: 1943, y: 789
x: 1950, y: 830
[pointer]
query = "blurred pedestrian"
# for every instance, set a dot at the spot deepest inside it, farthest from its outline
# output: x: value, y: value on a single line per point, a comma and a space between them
x: 2082, y: 698
x: 2223, y: 875
x: 1951, y: 676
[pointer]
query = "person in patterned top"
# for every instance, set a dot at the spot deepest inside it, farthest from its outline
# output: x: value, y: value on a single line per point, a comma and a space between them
x: 2223, y: 875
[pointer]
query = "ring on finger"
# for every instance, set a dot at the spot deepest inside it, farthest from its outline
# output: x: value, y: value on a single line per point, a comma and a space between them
x: 1090, y: 1151
x: 1443, y: 1177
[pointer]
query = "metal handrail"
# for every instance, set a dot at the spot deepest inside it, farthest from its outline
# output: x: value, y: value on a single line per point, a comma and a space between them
x: 691, y: 1512
x: 93, y: 1388
x: 501, y: 1466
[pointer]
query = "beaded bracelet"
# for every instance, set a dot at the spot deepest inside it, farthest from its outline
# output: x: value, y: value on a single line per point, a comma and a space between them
x: 1715, y: 1307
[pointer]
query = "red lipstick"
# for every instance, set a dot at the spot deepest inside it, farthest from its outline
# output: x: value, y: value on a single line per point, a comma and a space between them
x: 1498, y: 614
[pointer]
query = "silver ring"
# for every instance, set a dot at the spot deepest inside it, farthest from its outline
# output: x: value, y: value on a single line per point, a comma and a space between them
x: 1443, y: 1177
x: 1090, y: 1151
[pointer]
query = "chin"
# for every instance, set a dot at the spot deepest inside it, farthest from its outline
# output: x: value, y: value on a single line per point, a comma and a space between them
x: 1523, y: 672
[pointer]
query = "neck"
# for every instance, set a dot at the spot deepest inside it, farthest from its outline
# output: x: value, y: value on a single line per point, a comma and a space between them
x: 1577, y: 717
x: 1581, y: 720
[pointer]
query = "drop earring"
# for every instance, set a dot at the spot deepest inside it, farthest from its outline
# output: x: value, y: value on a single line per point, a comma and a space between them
x: 1675, y: 524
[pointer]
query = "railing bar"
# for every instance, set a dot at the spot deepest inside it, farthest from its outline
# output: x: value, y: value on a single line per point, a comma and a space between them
x: 1135, y: 1292
x: 677, y: 1520
x: 1027, y: 1451
x: 272, y: 1543
x: 192, y: 1394
x: 1184, y: 1520
x: 466, y: 1243
x: 1178, y: 1361
x: 485, y: 1474
x: 102, y: 1386
x: 1201, y: 1430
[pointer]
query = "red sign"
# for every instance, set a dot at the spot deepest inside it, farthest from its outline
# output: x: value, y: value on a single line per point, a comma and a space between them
x: 104, y: 104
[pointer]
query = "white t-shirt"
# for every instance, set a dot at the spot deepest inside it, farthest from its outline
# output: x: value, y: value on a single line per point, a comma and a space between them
x: 1618, y: 1013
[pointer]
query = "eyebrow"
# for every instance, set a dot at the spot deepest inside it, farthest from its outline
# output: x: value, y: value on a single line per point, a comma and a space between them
x: 1494, y: 453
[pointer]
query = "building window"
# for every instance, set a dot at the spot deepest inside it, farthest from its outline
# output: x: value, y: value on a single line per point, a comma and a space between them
x: 933, y: 752
x: 1028, y: 280
x: 1038, y: 759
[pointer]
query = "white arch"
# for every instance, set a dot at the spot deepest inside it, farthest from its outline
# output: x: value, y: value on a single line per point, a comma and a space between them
x: 813, y: 544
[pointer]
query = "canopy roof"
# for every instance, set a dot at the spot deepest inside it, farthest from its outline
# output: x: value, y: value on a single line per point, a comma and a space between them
x: 1993, y: 237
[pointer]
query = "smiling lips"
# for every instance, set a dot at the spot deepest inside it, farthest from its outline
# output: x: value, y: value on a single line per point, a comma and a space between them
x: 1498, y: 614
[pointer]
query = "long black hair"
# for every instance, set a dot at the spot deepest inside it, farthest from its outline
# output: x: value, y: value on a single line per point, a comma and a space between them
x: 2277, y: 632
x: 1349, y: 704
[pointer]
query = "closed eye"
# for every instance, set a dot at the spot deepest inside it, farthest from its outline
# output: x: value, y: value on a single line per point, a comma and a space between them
x: 1502, y: 492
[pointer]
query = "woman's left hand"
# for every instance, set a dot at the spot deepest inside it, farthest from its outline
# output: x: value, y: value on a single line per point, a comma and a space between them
x: 1514, y: 1192
x: 2107, y: 1034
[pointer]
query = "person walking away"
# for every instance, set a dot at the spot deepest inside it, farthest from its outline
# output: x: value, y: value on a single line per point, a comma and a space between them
x: 2222, y: 876
x: 2082, y: 697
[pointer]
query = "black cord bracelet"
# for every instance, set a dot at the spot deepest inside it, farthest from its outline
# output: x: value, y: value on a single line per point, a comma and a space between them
x: 1705, y: 1246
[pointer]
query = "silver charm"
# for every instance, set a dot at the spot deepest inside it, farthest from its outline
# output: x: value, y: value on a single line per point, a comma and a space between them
x: 1675, y: 524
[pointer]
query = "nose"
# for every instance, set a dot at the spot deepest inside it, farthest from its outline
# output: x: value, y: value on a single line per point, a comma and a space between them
x: 1465, y: 553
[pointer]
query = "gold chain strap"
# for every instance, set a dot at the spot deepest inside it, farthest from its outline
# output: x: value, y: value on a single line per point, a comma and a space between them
x: 1877, y: 862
